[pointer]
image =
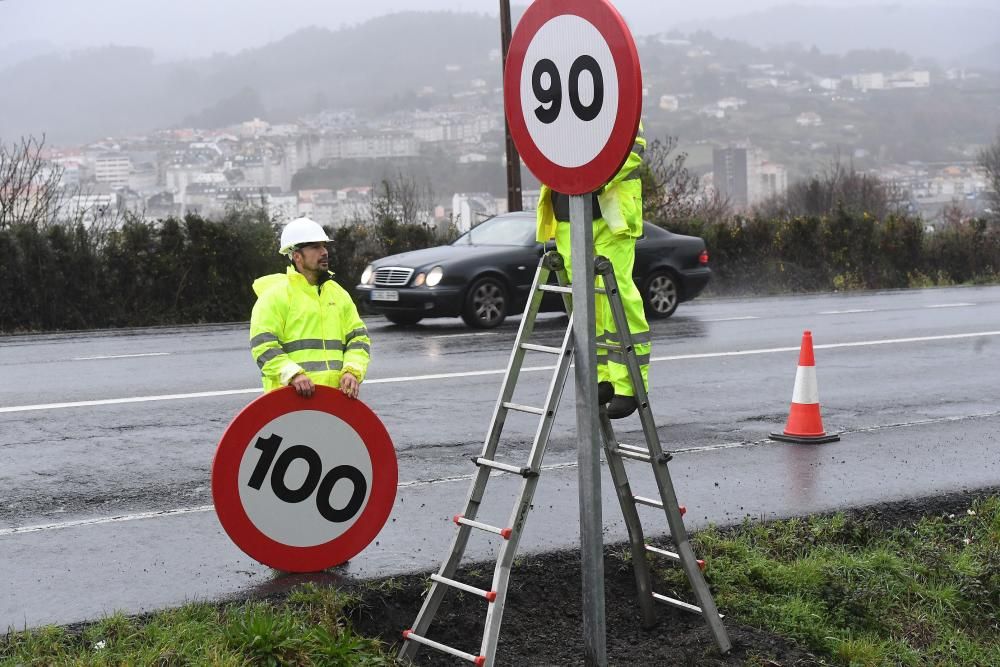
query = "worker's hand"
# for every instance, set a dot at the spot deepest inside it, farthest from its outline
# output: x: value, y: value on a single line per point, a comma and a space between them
x: 303, y: 385
x: 350, y: 385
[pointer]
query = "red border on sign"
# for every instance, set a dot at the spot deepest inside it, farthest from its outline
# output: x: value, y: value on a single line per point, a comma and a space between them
x: 238, y: 438
x: 600, y: 170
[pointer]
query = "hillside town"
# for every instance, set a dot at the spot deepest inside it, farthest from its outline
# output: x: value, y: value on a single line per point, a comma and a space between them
x: 173, y: 172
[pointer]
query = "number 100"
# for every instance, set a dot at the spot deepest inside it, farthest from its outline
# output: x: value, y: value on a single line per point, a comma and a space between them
x: 269, y: 447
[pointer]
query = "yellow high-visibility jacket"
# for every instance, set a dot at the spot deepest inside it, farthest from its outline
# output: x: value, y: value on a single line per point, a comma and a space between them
x: 620, y: 200
x: 298, y: 327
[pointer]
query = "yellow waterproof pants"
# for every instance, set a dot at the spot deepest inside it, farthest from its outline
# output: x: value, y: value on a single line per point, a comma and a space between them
x: 620, y: 250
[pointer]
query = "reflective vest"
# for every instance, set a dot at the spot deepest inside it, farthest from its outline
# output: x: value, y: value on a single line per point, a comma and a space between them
x: 297, y: 327
x: 620, y: 200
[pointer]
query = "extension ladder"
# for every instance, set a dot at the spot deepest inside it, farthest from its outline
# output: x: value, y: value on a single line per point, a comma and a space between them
x: 615, y: 453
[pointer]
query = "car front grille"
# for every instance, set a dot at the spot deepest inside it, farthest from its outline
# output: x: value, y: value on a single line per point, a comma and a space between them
x: 392, y: 276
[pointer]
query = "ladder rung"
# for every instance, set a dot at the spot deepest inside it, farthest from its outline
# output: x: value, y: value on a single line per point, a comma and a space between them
x: 496, y: 465
x: 524, y: 408
x: 502, y: 532
x: 478, y: 660
x: 635, y: 456
x: 677, y: 603
x: 614, y: 347
x: 657, y: 504
x: 490, y: 596
x: 640, y: 454
x: 672, y: 556
x: 541, y: 348
x: 567, y: 289
x: 649, y: 502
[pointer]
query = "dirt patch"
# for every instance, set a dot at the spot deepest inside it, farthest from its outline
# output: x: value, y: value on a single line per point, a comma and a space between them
x: 542, y: 623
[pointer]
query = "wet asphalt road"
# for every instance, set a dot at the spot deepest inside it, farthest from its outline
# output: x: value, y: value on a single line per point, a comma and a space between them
x: 106, y: 438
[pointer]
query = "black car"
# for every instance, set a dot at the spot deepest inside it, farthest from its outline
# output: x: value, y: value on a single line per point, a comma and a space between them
x: 486, y: 274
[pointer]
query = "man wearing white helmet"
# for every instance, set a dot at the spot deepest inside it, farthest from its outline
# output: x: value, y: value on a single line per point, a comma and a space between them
x: 305, y: 329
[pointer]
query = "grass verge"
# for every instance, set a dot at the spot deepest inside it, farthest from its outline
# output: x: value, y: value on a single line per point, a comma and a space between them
x: 859, y: 593
x: 852, y: 589
x: 308, y: 628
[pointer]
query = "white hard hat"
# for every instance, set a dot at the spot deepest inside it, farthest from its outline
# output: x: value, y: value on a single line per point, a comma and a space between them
x: 299, y: 231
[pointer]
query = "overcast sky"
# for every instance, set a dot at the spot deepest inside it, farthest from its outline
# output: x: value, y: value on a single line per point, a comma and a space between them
x: 185, y: 28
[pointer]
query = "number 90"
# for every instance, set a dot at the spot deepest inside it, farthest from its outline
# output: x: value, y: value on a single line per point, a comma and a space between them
x: 550, y: 96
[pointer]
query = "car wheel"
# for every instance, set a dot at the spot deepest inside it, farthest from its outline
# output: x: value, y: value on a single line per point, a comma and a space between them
x: 485, y: 304
x: 404, y: 319
x: 661, y: 294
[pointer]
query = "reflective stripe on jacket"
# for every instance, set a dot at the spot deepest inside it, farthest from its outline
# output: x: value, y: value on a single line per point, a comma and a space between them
x: 620, y: 200
x: 298, y: 327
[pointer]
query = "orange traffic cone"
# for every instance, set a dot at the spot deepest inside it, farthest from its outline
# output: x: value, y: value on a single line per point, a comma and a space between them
x: 805, y: 425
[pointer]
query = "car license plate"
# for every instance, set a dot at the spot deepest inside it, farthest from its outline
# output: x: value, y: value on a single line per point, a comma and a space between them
x: 385, y: 295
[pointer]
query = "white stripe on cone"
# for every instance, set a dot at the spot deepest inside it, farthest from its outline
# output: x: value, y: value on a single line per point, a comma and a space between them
x: 806, y: 390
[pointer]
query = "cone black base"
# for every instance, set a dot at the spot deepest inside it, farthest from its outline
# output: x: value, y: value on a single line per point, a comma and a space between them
x: 806, y: 439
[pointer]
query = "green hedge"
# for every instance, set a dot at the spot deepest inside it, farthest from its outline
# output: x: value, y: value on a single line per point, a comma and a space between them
x: 842, y: 251
x: 176, y: 271
x: 190, y: 270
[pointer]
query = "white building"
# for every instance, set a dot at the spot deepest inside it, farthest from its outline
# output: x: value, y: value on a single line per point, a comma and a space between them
x: 283, y: 207
x: 809, y: 119
x: 470, y: 158
x: 468, y: 210
x: 89, y: 209
x: 253, y: 128
x: 910, y: 79
x: 772, y: 181
x: 868, y: 81
x: 731, y: 103
x: 670, y: 103
x: 112, y: 169
x: 358, y: 145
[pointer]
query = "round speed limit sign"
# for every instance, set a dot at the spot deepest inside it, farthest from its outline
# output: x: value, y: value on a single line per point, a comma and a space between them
x: 573, y: 92
x: 301, y: 484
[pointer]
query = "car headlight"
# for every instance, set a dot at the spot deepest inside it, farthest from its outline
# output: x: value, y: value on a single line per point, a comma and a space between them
x: 434, y: 276
x: 419, y: 280
x: 367, y: 275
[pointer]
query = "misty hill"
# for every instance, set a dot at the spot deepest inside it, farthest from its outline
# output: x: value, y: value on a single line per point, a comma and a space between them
x: 988, y: 57
x: 119, y: 90
x: 946, y: 33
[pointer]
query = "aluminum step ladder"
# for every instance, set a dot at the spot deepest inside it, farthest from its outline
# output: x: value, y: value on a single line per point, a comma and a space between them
x: 616, y: 452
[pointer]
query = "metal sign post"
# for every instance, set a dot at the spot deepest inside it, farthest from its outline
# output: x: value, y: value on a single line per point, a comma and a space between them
x: 588, y: 431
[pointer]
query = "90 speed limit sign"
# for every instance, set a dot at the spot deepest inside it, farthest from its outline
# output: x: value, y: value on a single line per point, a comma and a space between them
x: 301, y: 484
x: 573, y: 92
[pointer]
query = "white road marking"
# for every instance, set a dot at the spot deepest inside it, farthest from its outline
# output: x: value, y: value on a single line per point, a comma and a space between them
x: 21, y: 530
x: 848, y: 312
x: 124, y: 356
x: 733, y: 319
x: 463, y: 335
x: 123, y: 518
x: 133, y: 399
x: 950, y: 305
x: 501, y: 371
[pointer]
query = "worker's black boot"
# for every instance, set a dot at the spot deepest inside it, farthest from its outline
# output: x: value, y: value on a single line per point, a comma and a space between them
x: 622, y: 406
x: 605, y: 392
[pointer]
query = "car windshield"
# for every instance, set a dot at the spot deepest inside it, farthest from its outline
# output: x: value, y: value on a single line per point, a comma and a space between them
x: 509, y: 230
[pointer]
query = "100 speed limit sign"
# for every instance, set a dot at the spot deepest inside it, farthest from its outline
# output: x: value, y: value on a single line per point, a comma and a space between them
x: 573, y: 92
x: 301, y: 484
